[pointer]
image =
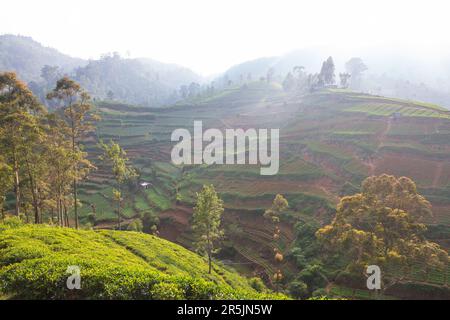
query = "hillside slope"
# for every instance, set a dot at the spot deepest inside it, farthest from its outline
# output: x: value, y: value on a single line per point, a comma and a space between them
x: 392, y: 72
x: 329, y: 142
x: 27, y: 57
x: 140, y: 81
x: 137, y: 81
x: 113, y: 264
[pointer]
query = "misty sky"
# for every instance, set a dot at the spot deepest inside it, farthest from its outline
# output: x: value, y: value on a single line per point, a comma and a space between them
x: 209, y: 36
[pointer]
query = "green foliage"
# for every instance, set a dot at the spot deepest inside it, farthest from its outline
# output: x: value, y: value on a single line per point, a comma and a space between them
x: 381, y: 226
x: 11, y: 222
x: 279, y: 205
x: 138, y: 81
x: 21, y: 135
x: 6, y: 182
x: 206, y: 221
x: 136, y: 225
x: 257, y: 284
x: 166, y: 291
x: 149, y: 220
x: 305, y: 247
x: 116, y: 157
x: 298, y: 289
x: 113, y: 264
x: 314, y: 277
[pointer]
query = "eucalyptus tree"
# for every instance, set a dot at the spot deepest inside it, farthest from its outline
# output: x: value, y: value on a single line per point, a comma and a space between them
x: 20, y: 130
x: 77, y: 110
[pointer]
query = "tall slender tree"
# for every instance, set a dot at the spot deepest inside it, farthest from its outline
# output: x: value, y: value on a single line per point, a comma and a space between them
x: 19, y: 112
x: 206, y: 222
x: 59, y: 157
x: 327, y: 75
x: 116, y: 157
x: 78, y: 114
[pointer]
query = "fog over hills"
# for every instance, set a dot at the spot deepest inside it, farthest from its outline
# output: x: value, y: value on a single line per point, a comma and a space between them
x: 139, y: 81
x: 391, y: 71
x: 27, y: 57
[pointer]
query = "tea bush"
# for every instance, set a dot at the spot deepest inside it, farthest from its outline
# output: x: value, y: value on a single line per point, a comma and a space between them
x: 113, y: 265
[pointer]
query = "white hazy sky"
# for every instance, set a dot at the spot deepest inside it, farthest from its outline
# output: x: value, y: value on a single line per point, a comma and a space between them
x: 209, y: 36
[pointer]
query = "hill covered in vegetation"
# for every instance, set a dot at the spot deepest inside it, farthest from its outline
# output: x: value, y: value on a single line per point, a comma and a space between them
x: 113, y: 264
x: 330, y: 141
x: 139, y: 81
x: 27, y: 57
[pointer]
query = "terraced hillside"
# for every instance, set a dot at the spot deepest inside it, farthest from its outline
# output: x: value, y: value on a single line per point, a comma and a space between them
x: 329, y: 142
x: 113, y: 265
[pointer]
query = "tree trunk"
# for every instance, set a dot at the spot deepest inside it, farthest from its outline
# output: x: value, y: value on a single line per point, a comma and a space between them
x: 57, y: 210
x: 66, y: 216
x: 60, y: 214
x: 118, y: 215
x: 209, y: 262
x: 74, y: 144
x: 75, y: 202
x: 17, y: 190
x: 58, y: 206
x: 27, y: 218
x: 208, y: 247
x: 33, y: 194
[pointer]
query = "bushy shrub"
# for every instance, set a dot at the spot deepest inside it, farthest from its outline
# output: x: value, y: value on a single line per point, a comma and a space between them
x: 34, y: 260
x: 298, y: 289
x: 135, y: 225
x: 166, y: 291
x: 257, y: 284
x: 11, y: 222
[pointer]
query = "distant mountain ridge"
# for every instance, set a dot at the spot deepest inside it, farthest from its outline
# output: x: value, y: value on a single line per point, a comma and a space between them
x: 26, y: 57
x: 138, y: 81
x: 392, y: 72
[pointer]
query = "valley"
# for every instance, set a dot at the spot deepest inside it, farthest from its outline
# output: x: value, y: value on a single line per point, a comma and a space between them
x: 330, y: 141
x: 344, y: 180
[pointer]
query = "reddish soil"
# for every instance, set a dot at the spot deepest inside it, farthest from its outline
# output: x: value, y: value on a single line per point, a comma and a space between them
x: 174, y: 223
x: 416, y: 167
